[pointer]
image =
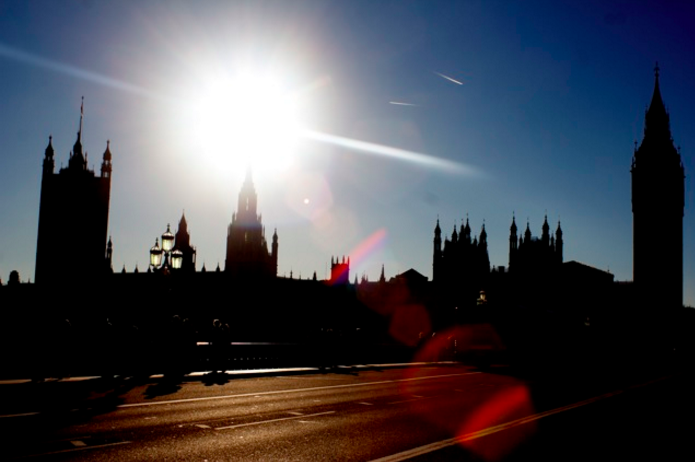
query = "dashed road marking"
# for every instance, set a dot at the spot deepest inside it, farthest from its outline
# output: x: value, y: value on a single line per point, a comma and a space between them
x: 415, y: 398
x: 229, y: 427
x: 75, y: 449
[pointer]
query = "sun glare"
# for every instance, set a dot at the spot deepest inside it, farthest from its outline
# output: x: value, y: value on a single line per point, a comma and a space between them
x: 247, y: 121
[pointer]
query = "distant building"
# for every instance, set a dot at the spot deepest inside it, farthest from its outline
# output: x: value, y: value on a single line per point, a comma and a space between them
x: 460, y: 265
x: 462, y: 259
x: 340, y: 271
x: 73, y: 217
x: 658, y: 180
x: 182, y: 242
x: 247, y: 248
x: 532, y: 256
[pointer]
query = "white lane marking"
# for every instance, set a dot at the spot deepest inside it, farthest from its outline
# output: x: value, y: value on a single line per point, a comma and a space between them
x: 25, y: 414
x: 98, y: 446
x: 409, y: 454
x: 202, y: 426
x: 273, y: 420
x: 295, y: 390
x: 365, y: 403
x: 78, y: 443
x: 416, y: 398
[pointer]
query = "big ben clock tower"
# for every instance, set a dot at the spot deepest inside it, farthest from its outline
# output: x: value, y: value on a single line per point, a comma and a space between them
x: 658, y: 180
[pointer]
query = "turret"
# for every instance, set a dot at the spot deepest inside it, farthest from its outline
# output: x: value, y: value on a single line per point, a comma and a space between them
x: 545, y: 236
x: 558, y: 243
x: 109, y: 256
x: 513, y: 242
x: 106, y: 162
x: 437, y: 255
x: 274, y: 252
x: 48, y: 161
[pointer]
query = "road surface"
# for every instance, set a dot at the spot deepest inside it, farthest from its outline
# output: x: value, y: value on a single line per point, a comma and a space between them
x: 436, y: 412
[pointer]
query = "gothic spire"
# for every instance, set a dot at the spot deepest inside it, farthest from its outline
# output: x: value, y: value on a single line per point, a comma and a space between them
x: 183, y: 224
x: 77, y: 160
x: 79, y: 134
x: 77, y: 148
x: 49, y: 149
x: 545, y: 236
x: 657, y: 128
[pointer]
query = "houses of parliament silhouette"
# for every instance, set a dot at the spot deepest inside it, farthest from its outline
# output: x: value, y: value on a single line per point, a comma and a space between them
x: 74, y: 213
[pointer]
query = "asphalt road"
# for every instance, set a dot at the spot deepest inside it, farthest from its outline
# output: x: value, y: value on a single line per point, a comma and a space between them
x: 443, y: 412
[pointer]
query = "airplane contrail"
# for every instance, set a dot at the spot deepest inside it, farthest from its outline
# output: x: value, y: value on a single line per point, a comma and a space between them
x: 426, y: 160
x: 398, y: 103
x: 39, y: 61
x: 448, y: 78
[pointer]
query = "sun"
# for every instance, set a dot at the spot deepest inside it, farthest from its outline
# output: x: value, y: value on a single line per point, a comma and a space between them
x: 246, y: 120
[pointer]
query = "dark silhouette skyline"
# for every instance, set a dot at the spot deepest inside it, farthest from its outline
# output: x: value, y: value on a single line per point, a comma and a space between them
x: 543, y: 123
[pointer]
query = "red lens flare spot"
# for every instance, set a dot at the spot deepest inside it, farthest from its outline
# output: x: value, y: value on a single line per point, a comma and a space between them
x: 484, y: 433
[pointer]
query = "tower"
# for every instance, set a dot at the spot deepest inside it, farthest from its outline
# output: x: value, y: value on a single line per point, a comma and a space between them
x: 437, y: 256
x: 340, y: 271
x: 182, y: 242
x: 73, y: 217
x: 247, y: 248
x: 658, y: 180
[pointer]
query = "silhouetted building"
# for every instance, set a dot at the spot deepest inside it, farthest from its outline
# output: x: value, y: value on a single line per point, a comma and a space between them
x: 340, y: 271
x: 462, y: 260
x: 532, y: 256
x: 658, y: 181
x: 247, y: 248
x: 182, y: 242
x: 73, y: 217
x: 461, y: 267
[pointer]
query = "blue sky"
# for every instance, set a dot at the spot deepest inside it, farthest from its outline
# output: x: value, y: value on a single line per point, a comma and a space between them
x: 552, y: 99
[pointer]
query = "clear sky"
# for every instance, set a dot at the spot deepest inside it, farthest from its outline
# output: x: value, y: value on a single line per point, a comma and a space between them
x: 506, y: 108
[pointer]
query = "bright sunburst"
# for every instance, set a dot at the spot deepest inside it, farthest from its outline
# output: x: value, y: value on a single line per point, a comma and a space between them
x: 246, y: 120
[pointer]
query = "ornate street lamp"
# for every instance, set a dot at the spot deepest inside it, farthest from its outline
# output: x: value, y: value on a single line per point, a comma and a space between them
x: 162, y: 258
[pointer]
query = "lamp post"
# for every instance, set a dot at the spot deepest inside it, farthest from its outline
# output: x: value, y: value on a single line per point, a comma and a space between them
x: 162, y: 258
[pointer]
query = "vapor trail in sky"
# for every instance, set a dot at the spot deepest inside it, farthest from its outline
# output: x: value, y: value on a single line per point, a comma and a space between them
x: 388, y: 151
x: 448, y: 78
x: 398, y: 103
x: 38, y: 61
